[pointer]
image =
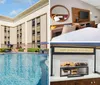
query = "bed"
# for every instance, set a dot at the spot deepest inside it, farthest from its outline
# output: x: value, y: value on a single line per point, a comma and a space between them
x: 86, y: 34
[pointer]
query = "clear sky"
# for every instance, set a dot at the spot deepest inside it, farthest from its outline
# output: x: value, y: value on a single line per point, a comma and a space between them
x: 11, y: 8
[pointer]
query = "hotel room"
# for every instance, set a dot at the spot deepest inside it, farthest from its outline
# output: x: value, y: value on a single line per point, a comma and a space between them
x: 74, y: 20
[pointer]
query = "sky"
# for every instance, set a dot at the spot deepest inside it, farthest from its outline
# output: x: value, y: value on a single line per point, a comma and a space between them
x: 11, y: 8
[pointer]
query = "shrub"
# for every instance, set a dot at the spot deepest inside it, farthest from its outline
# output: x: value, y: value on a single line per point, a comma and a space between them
x: 0, y: 50
x: 33, y: 49
x: 21, y: 50
x: 4, y: 49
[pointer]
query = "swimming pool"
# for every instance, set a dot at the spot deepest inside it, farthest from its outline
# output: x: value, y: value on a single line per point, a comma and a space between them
x: 23, y: 69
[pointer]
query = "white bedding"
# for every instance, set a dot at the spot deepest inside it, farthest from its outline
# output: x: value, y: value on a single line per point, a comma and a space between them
x: 86, y: 34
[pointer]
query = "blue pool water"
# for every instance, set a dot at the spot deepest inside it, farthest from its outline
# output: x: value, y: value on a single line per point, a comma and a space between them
x: 23, y: 69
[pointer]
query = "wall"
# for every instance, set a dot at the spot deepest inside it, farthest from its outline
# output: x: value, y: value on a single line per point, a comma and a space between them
x: 2, y: 34
x: 13, y: 36
x: 29, y: 32
x: 6, y: 23
x: 23, y: 33
x: 98, y: 60
x: 43, y: 30
x: 0, y: 37
x: 78, y: 4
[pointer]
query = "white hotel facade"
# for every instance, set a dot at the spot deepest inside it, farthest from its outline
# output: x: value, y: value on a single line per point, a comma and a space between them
x: 28, y: 28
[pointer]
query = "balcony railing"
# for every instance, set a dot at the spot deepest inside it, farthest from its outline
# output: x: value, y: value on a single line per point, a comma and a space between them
x: 33, y: 38
x: 38, y: 37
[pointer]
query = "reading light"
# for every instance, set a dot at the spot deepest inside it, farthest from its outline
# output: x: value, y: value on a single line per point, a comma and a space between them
x: 90, y: 12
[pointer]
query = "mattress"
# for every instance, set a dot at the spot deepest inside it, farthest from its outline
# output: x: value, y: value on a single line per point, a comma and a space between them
x: 86, y: 34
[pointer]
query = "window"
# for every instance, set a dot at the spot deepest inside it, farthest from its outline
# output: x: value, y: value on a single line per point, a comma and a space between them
x: 5, y: 27
x: 33, y: 22
x: 20, y: 29
x: 38, y: 32
x: 8, y: 42
x: 38, y: 24
x: 8, y: 31
x: 38, y: 41
x: 33, y: 41
x: 5, y: 30
x: 17, y: 35
x: 33, y: 31
x: 18, y: 43
x: 38, y: 46
x: 5, y: 42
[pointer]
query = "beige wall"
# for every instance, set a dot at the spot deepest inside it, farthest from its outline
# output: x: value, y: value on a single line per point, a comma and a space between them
x: 6, y: 23
x: 78, y: 4
x: 29, y: 32
x: 43, y: 29
x: 23, y: 33
x: 2, y: 34
x: 13, y: 35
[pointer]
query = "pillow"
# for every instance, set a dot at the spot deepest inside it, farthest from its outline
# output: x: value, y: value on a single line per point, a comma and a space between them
x: 88, y: 25
x: 98, y: 26
x: 68, y: 28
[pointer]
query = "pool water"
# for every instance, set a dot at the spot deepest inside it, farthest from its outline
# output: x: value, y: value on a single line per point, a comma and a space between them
x: 23, y: 69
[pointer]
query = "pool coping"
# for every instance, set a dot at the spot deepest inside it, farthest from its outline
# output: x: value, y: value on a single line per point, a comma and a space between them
x: 23, y: 53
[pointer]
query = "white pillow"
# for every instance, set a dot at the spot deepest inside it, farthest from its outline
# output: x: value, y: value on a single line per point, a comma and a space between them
x: 98, y: 25
x: 68, y: 28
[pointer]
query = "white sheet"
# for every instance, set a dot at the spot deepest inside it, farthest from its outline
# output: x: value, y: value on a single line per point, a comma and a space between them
x: 86, y: 34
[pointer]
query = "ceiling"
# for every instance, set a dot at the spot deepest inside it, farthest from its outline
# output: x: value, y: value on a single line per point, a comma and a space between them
x: 95, y: 3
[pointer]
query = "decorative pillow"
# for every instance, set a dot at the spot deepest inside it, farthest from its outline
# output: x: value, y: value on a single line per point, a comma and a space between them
x: 68, y: 28
x: 98, y: 26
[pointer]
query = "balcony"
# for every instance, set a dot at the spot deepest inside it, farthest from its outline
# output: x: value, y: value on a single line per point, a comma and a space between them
x: 33, y: 22
x: 38, y: 37
x: 33, y: 31
x: 33, y: 42
x: 38, y: 24
x: 18, y: 40
x: 38, y: 29
x: 33, y: 38
x: 33, y: 28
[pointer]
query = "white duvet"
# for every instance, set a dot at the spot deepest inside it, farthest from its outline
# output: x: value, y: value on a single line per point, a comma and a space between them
x: 86, y: 34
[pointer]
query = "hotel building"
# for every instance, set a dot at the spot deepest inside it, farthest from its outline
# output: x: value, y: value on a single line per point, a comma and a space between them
x: 28, y: 28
